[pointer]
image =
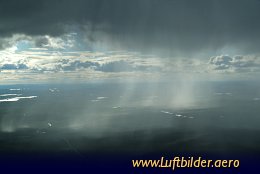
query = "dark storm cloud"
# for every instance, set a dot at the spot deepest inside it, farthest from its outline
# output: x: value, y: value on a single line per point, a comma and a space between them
x: 169, y: 26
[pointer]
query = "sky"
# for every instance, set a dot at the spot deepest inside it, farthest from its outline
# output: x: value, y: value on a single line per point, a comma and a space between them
x: 79, y: 40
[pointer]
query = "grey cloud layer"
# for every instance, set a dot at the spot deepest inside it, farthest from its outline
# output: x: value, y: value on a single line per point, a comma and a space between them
x: 115, y: 66
x: 37, y: 61
x: 235, y: 64
x: 177, y: 27
x: 115, y: 63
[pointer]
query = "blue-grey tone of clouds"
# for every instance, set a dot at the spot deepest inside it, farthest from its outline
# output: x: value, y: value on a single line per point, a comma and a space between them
x: 10, y: 66
x: 237, y: 63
